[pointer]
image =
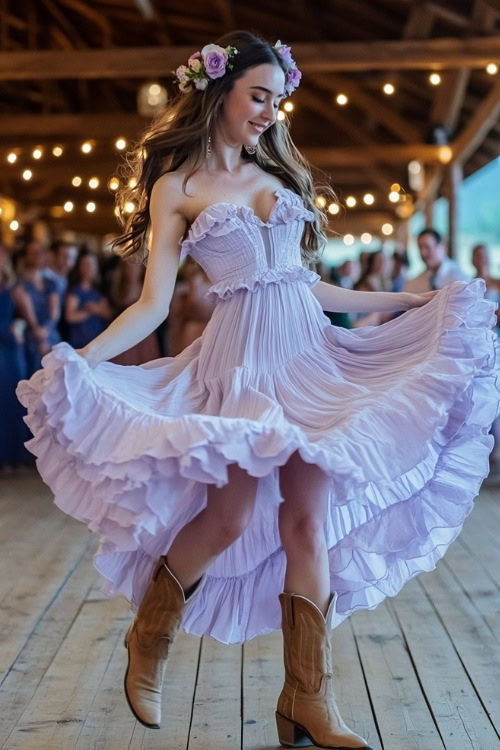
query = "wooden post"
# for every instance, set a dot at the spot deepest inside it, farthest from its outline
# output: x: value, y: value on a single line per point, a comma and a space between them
x: 454, y: 178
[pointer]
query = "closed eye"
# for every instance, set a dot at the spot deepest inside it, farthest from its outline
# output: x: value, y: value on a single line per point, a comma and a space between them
x: 261, y: 101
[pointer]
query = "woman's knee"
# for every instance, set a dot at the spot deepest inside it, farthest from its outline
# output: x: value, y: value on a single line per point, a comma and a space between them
x: 230, y: 508
x: 302, y: 531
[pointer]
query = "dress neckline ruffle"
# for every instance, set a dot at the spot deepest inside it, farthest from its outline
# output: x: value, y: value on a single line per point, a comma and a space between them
x: 283, y: 211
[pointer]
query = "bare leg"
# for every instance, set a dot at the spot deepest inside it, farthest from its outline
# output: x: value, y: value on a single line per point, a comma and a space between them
x: 228, y: 512
x: 302, y: 518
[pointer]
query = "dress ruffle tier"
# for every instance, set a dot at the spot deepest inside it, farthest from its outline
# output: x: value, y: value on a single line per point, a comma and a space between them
x: 398, y: 416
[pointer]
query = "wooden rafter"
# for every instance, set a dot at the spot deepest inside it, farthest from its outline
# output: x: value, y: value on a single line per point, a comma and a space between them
x: 140, y: 62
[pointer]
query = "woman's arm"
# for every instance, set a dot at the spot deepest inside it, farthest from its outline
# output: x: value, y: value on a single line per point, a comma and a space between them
x: 337, y: 299
x: 71, y: 311
x: 152, y: 307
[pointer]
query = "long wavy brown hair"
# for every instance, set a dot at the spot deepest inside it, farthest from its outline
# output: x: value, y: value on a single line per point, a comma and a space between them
x: 183, y: 129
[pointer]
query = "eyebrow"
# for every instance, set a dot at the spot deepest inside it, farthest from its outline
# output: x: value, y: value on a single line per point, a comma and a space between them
x: 262, y: 88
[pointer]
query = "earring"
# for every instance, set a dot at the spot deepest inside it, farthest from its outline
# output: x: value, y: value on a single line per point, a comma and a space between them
x: 209, y: 147
x: 249, y: 149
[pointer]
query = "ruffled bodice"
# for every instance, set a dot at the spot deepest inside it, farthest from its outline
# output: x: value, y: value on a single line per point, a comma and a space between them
x: 238, y: 250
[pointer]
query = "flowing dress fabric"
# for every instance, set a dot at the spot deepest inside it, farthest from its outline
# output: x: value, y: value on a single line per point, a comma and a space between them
x: 397, y: 415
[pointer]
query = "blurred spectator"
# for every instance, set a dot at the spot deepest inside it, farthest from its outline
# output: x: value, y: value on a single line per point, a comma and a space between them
x: 347, y: 273
x: 62, y: 259
x: 481, y: 262
x: 400, y: 265
x: 197, y: 310
x: 342, y: 319
x: 441, y: 269
x: 373, y: 279
x: 126, y: 289
x: 14, y: 431
x: 37, y: 301
x: 87, y: 311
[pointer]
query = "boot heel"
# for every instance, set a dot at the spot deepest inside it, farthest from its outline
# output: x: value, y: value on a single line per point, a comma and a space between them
x: 289, y: 734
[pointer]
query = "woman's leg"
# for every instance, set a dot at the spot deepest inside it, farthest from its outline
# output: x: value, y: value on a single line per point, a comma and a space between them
x: 228, y: 512
x: 302, y: 518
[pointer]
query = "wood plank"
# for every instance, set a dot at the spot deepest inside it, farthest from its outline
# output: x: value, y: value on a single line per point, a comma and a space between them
x: 403, y: 716
x: 460, y: 717
x: 476, y: 645
x: 23, y: 678
x: 59, y: 707
x: 217, y: 707
x: 110, y: 723
x: 47, y: 569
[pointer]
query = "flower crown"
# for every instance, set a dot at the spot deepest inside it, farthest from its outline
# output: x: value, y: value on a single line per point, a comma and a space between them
x: 213, y: 60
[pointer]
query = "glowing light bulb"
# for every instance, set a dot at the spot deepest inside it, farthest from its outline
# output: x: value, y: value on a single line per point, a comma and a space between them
x: 389, y: 89
x: 348, y: 239
x: 90, y: 207
x: 27, y: 174
x: 369, y: 199
x: 350, y: 201
x: 342, y: 99
x: 68, y: 206
x: 120, y: 143
x: 387, y: 229
x: 76, y: 181
x: 435, y: 79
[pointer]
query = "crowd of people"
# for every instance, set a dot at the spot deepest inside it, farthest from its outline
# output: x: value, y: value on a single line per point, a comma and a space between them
x: 66, y: 293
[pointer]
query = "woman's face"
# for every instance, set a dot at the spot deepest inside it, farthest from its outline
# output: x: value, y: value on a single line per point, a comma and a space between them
x: 88, y: 268
x: 254, y: 98
x: 35, y: 256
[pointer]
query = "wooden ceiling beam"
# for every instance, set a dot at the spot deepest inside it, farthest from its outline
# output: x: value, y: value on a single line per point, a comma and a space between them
x: 141, y: 62
x: 476, y: 130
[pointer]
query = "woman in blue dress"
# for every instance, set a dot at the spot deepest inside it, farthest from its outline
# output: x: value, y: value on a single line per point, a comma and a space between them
x: 37, y: 301
x: 14, y: 432
x: 87, y: 311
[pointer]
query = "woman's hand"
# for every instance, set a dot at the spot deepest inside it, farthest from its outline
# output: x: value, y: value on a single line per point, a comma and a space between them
x: 419, y: 300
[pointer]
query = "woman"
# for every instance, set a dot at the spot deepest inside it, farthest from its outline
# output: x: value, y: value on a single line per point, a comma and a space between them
x: 37, y: 301
x: 14, y: 432
x: 86, y: 309
x: 239, y: 486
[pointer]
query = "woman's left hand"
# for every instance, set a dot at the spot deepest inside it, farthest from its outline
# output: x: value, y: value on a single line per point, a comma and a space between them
x: 419, y: 300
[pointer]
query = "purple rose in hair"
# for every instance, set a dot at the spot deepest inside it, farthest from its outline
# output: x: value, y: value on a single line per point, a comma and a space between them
x: 285, y: 52
x: 294, y: 76
x: 214, y: 60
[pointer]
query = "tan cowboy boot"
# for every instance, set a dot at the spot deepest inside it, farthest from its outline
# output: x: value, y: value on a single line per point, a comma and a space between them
x: 306, y: 712
x: 148, y: 641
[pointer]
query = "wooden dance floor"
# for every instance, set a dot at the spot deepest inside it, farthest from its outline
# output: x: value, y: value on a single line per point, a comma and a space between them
x: 421, y: 672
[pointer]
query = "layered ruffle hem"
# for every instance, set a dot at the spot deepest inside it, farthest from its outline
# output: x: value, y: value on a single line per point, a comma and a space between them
x: 398, y: 416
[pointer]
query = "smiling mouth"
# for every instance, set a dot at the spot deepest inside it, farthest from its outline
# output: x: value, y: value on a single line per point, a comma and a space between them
x: 260, y: 128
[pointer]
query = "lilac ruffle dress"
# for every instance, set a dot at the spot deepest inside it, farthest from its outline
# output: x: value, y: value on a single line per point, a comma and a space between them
x: 397, y: 415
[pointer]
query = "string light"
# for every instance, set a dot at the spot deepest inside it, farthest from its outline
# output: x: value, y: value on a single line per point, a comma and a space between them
x: 57, y: 150
x: 120, y: 144
x: 37, y: 153
x: 342, y: 99
x: 288, y: 106
x: 435, y: 79
x: 14, y: 225
x: 387, y: 229
x: 369, y: 199
x: 132, y: 182
x: 320, y: 201
x: 27, y: 174
x: 393, y: 196
x: 334, y: 208
x: 93, y: 183
x: 389, y: 89
x: 350, y: 201
x: 76, y: 181
x: 68, y: 206
x: 129, y: 207
x: 395, y: 187
x: 12, y: 157
x: 414, y: 167
x: 492, y: 69
x: 87, y: 147
x: 114, y: 183
x: 445, y: 154
x: 348, y: 239
x: 366, y: 238
x: 90, y: 207
x: 281, y: 115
